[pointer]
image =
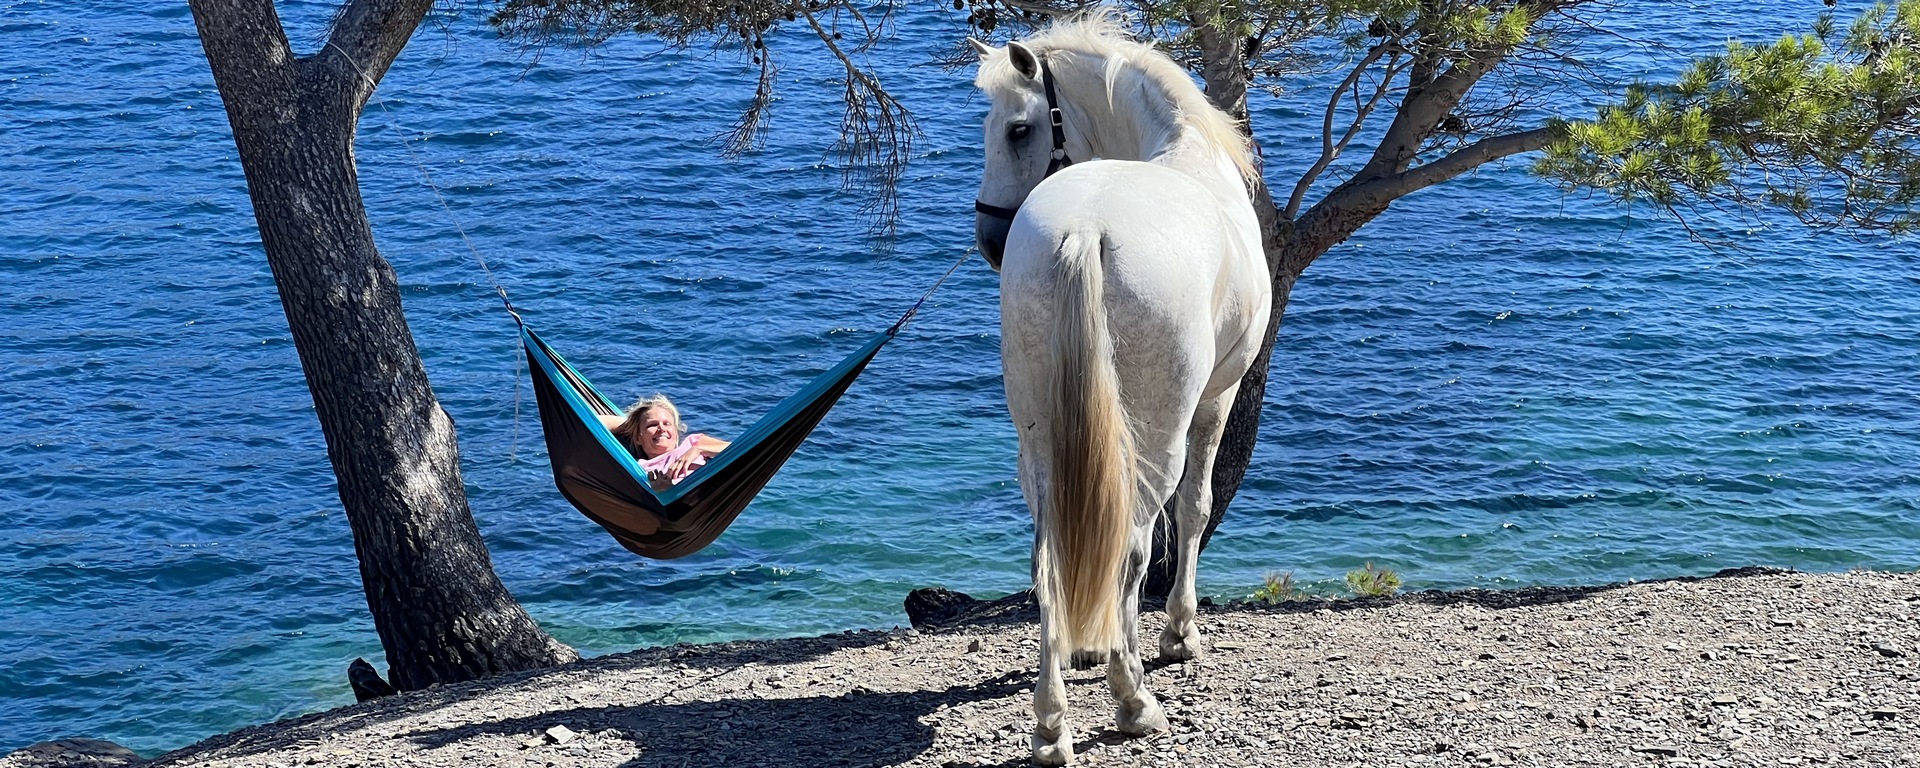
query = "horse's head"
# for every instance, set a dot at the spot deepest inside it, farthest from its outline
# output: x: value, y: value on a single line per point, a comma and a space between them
x: 1025, y: 138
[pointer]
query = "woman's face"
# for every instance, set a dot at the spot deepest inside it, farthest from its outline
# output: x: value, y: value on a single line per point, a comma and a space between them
x: 657, y: 433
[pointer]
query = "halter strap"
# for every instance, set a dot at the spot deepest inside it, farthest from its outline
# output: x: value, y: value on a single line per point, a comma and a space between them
x: 1058, y: 158
x: 994, y: 210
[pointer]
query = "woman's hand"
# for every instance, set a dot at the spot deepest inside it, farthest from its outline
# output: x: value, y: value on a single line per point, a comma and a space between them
x: 684, y: 462
x: 660, y: 479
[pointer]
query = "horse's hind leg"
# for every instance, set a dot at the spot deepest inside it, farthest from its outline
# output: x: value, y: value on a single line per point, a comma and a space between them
x: 1158, y: 462
x: 1180, y: 640
x: 1140, y: 713
x: 1052, y: 740
x: 1052, y: 736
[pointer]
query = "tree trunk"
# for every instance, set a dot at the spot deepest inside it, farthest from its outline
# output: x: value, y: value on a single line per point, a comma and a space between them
x: 441, y: 612
x: 1224, y: 72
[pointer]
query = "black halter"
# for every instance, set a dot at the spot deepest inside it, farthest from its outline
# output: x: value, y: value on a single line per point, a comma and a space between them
x: 1058, y: 158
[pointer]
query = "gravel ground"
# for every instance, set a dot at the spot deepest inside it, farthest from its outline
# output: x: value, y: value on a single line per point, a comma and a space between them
x: 1765, y: 668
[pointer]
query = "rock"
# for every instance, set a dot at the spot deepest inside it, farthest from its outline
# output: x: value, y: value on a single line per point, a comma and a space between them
x: 366, y: 682
x: 937, y: 606
x: 1887, y: 650
x: 1725, y: 700
x: 73, y: 753
x: 560, y: 734
x: 1663, y: 750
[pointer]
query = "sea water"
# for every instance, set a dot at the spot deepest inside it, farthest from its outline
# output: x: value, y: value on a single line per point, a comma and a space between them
x: 1493, y: 385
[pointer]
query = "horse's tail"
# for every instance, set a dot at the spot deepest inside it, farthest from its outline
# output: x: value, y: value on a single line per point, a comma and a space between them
x: 1088, y: 511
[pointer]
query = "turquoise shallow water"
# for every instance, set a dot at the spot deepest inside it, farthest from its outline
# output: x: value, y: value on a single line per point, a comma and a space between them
x: 1492, y: 385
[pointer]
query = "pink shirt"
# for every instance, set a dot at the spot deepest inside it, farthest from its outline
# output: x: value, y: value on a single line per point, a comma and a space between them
x: 661, y: 461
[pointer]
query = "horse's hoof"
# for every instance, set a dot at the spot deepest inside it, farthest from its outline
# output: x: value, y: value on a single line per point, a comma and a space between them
x: 1149, y: 719
x: 1052, y: 753
x: 1177, y: 647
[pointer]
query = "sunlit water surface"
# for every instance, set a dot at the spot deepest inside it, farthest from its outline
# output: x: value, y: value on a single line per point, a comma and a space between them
x: 1490, y: 386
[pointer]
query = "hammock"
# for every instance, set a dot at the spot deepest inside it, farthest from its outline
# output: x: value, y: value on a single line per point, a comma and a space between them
x: 599, y: 475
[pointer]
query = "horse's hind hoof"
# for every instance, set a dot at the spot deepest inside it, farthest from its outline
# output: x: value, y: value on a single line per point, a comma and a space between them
x: 1149, y: 720
x: 1056, y: 753
x: 1180, y: 647
x: 1085, y: 660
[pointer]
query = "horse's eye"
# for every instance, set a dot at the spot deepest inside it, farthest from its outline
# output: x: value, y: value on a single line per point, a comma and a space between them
x: 1018, y: 131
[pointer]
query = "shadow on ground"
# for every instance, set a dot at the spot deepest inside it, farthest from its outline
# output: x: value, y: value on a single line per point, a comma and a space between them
x: 719, y: 657
x: 853, y: 730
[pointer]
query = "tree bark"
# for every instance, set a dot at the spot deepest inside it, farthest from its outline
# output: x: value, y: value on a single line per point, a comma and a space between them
x: 441, y: 612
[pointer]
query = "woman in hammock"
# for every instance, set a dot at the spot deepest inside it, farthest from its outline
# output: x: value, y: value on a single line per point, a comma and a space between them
x: 652, y: 431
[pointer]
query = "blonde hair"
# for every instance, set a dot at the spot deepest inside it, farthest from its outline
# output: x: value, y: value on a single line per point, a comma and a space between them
x: 629, y: 430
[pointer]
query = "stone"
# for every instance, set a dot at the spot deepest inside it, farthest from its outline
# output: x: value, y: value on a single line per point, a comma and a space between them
x: 72, y: 753
x: 937, y: 606
x: 366, y: 682
x: 560, y: 734
x: 1888, y: 650
x: 1662, y: 750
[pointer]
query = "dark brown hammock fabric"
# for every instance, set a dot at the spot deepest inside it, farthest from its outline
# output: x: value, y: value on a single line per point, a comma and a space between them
x: 600, y: 477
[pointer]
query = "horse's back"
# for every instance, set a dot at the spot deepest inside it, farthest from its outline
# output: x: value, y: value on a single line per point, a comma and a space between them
x: 1179, y: 262
x: 1179, y: 288
x: 1153, y: 211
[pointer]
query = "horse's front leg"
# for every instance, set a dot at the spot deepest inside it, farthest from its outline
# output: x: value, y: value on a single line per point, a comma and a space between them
x: 1180, y: 640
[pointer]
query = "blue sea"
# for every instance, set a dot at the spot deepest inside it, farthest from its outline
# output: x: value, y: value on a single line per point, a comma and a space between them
x: 1493, y: 385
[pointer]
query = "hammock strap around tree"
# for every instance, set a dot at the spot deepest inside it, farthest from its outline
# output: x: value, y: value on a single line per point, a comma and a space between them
x: 597, y: 473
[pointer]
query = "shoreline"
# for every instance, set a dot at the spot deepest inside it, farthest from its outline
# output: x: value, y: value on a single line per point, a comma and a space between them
x: 1746, y: 667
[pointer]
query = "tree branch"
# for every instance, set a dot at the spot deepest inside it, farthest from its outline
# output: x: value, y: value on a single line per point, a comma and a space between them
x: 1330, y: 150
x: 365, y: 39
x: 248, y: 51
x: 1460, y: 161
x: 876, y: 132
x: 1428, y: 102
x: 1422, y: 109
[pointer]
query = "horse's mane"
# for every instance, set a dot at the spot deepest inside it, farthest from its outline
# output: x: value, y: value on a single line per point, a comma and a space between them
x: 1099, y: 34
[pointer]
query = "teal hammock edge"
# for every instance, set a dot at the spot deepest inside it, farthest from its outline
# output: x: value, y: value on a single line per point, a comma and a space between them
x: 552, y: 362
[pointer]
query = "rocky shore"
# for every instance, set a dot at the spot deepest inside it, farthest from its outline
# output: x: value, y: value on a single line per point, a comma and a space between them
x: 1748, y: 668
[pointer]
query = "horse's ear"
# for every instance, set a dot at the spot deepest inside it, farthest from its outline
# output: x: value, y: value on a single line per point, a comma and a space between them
x: 1023, y: 60
x: 981, y: 48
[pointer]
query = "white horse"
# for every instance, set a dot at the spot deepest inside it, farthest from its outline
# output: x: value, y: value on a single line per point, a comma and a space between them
x: 1133, y: 296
